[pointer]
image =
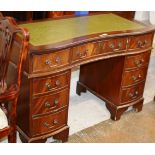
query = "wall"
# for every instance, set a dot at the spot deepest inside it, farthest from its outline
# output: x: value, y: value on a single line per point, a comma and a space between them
x: 142, y: 15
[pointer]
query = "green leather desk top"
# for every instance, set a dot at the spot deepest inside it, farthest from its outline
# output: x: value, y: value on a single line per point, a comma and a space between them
x: 54, y: 31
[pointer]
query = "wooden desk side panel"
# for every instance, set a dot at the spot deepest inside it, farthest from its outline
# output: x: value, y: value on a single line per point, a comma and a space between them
x: 23, y: 107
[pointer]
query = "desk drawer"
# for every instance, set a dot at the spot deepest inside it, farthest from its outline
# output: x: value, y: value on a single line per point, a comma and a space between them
x: 137, y: 61
x: 140, y: 41
x: 48, y: 62
x: 84, y: 51
x: 50, y: 83
x: 111, y: 45
x: 132, y: 93
x: 49, y: 123
x: 50, y: 103
x: 134, y: 76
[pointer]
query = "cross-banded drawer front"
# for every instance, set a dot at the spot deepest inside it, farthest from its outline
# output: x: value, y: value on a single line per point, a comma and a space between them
x: 48, y: 123
x: 49, y: 62
x: 50, y: 103
x: 134, y: 76
x: 84, y: 51
x: 137, y: 61
x: 50, y: 83
x: 132, y: 93
x: 111, y: 45
x: 140, y: 41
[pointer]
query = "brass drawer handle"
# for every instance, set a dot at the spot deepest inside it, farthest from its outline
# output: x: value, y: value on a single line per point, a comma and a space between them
x: 142, y: 44
x: 139, y: 76
x: 57, y: 83
x: 82, y: 54
x: 58, y: 60
x: 55, y: 122
x: 47, y: 104
x: 136, y: 78
x: 111, y: 46
x: 139, y: 63
x: 47, y: 125
x: 133, y: 95
x: 48, y: 62
x: 56, y: 102
x: 145, y: 42
x: 119, y: 45
x: 48, y: 86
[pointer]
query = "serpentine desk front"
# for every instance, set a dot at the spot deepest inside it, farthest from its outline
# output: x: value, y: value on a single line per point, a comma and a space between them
x: 113, y: 54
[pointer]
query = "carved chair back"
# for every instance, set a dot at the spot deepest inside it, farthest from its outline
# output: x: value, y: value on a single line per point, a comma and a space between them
x: 9, y: 31
x: 9, y: 34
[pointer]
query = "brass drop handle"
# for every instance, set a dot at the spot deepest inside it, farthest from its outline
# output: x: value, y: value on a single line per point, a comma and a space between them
x: 136, y: 93
x: 139, y: 62
x: 46, y: 125
x: 48, y: 86
x: 56, y: 102
x: 139, y: 76
x: 58, y: 60
x: 133, y: 95
x: 111, y: 46
x: 145, y: 42
x: 57, y: 83
x: 48, y: 62
x: 140, y: 44
x: 136, y: 78
x: 82, y: 54
x: 55, y: 122
x: 47, y: 104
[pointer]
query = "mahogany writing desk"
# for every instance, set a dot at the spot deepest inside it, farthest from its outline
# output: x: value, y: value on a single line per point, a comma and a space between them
x: 113, y: 54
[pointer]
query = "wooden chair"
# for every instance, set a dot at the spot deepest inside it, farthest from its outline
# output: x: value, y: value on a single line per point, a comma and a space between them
x: 9, y: 32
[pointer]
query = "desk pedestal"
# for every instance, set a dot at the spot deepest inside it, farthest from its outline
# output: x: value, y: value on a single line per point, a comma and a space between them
x: 116, y: 81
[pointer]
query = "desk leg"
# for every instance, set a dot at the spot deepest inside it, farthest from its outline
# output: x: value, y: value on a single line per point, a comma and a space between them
x: 115, y: 112
x: 80, y: 88
x: 62, y: 136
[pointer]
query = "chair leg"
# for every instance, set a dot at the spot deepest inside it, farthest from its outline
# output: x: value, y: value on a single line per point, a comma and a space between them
x: 12, y: 122
x: 12, y: 136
